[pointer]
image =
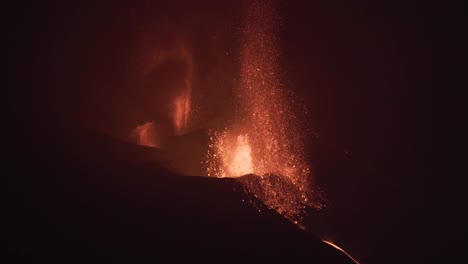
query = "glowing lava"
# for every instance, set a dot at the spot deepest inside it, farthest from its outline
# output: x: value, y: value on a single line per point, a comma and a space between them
x: 236, y: 154
x: 340, y: 249
x: 265, y: 137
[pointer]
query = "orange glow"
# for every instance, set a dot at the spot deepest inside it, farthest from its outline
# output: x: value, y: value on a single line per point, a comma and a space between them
x: 236, y: 157
x: 265, y: 137
x: 340, y: 249
x: 145, y: 135
x: 181, y: 111
x: 182, y: 102
x: 180, y: 90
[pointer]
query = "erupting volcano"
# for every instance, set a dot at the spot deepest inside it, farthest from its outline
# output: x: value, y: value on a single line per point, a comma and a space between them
x: 265, y: 137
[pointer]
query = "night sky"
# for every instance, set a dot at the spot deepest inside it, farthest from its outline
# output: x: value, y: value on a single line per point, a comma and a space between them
x: 375, y: 78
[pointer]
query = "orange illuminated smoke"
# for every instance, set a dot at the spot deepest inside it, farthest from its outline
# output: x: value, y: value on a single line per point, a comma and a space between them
x: 145, y: 135
x: 178, y: 88
x: 182, y: 102
x: 265, y: 137
x: 181, y: 110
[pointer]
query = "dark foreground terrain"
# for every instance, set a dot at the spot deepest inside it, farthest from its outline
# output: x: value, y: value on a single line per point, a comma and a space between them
x: 99, y: 199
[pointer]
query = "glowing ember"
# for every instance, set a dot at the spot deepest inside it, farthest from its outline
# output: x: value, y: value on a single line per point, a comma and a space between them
x: 145, y: 135
x: 265, y: 138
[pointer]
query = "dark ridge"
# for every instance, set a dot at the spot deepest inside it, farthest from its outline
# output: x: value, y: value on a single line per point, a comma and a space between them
x: 88, y: 203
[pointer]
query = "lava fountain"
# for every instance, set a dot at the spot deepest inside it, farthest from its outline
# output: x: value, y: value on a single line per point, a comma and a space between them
x: 265, y: 137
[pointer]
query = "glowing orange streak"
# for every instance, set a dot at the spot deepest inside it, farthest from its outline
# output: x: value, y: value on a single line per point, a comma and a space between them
x: 181, y: 111
x: 340, y: 249
x: 182, y: 103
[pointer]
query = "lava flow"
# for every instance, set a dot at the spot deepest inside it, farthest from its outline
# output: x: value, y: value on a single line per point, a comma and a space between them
x: 265, y: 137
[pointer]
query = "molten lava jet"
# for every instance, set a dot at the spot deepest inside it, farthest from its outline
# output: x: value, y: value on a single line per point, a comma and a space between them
x: 265, y: 137
x: 235, y: 154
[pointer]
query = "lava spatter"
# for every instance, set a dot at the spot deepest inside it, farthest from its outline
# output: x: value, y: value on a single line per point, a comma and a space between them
x: 265, y: 139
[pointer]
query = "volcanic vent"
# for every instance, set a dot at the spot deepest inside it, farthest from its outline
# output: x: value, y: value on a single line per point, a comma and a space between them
x: 265, y: 137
